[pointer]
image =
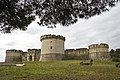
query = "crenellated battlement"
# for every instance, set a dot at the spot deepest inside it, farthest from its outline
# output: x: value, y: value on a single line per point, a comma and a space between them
x: 49, y: 36
x: 81, y: 49
x: 76, y: 49
x: 34, y: 50
x: 102, y: 45
x: 14, y: 51
x: 93, y: 46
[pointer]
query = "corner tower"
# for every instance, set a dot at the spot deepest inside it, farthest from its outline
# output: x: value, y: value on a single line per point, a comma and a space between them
x: 97, y: 51
x: 52, y: 47
x: 13, y: 55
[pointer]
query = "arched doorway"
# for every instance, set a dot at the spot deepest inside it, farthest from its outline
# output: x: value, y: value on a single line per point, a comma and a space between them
x: 30, y: 58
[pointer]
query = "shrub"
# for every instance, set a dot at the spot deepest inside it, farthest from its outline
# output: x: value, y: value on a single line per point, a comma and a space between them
x: 116, y: 59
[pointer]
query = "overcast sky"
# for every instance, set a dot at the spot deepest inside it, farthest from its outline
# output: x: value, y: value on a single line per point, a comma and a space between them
x: 104, y: 28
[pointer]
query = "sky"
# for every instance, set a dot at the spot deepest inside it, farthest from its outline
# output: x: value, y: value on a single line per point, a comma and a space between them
x: 104, y: 28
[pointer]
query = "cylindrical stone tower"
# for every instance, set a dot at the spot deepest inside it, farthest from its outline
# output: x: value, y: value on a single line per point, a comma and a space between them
x: 97, y: 51
x: 52, y: 47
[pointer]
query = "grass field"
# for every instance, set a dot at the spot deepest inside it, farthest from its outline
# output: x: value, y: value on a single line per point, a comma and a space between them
x: 61, y: 70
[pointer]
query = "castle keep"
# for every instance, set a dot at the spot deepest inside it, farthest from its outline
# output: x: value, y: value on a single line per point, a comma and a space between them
x: 52, y: 48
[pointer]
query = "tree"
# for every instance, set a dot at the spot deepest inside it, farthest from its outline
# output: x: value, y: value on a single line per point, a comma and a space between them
x: 115, y: 55
x: 18, y: 14
x: 112, y: 53
x: 118, y: 51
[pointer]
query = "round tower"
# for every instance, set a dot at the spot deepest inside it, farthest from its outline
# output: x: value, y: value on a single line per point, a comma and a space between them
x: 104, y: 47
x: 93, y: 48
x: 97, y: 51
x: 52, y: 47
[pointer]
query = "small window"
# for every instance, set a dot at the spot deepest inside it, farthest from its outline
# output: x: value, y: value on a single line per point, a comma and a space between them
x: 51, y: 41
x: 51, y: 47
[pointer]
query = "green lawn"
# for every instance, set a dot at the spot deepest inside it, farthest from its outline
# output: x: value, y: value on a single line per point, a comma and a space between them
x: 61, y: 70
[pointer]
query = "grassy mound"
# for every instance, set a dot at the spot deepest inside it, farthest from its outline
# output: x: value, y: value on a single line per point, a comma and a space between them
x: 61, y: 70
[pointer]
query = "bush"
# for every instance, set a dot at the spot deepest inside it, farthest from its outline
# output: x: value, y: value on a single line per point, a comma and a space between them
x: 116, y: 59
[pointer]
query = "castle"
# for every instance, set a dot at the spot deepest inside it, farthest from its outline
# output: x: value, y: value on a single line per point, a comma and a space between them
x: 52, y: 48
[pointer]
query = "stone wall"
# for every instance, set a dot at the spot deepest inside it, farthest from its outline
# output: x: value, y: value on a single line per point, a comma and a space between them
x: 18, y: 55
x: 24, y: 56
x: 78, y: 54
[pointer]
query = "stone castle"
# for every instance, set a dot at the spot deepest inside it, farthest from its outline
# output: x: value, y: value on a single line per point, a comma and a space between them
x: 52, y: 48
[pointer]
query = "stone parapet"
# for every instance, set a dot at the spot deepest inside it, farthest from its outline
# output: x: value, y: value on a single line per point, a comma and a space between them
x: 49, y: 36
x: 93, y: 46
x: 102, y: 45
x: 14, y: 51
x: 34, y: 50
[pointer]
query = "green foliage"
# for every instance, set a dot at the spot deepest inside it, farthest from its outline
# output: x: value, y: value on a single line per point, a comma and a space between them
x: 18, y: 14
x: 61, y: 70
x: 115, y: 55
x: 116, y: 59
x: 15, y: 14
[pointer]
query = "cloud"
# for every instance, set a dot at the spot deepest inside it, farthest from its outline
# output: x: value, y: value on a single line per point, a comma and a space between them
x: 2, y: 55
x: 11, y: 44
x: 34, y: 29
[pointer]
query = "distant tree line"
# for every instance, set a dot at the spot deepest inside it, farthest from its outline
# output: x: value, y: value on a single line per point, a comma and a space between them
x: 115, y: 55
